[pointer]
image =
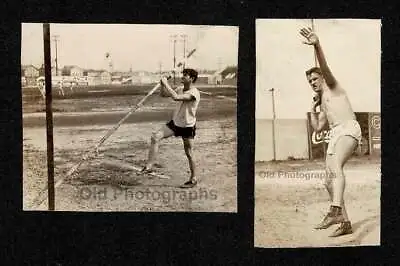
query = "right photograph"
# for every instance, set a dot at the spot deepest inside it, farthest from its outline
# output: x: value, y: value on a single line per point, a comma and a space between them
x: 318, y: 134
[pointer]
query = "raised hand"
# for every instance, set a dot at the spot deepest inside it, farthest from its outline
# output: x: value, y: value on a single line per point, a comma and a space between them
x: 316, y: 101
x: 311, y: 37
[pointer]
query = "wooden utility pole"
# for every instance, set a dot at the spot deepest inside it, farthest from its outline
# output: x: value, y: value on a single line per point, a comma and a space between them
x: 49, y: 116
x: 273, y: 123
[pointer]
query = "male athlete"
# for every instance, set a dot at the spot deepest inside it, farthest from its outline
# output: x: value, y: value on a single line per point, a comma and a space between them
x: 183, y: 123
x: 335, y: 109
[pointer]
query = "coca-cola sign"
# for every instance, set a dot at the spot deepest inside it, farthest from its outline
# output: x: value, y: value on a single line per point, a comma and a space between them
x: 318, y: 141
x: 319, y: 137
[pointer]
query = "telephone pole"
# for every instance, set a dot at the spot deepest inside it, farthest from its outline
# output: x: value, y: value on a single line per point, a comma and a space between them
x: 49, y: 117
x: 184, y: 39
x: 273, y: 123
x: 219, y: 62
x: 174, y: 39
x: 55, y: 39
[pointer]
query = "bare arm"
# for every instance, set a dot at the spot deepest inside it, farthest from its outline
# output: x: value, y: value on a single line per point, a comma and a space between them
x: 326, y: 72
x: 165, y: 93
x: 174, y: 95
x: 312, y: 39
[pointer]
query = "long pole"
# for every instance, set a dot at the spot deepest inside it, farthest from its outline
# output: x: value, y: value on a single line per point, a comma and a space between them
x: 92, y: 153
x: 49, y: 116
x: 273, y: 124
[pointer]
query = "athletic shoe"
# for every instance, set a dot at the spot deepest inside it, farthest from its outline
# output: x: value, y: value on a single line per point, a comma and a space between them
x: 334, y: 216
x: 343, y: 229
x: 146, y: 170
x: 189, y: 184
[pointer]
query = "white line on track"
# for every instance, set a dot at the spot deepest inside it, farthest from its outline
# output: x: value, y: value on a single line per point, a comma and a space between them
x: 99, y: 91
x: 219, y: 96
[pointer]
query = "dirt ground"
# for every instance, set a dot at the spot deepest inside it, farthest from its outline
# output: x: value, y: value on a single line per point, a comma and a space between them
x: 290, y: 199
x: 101, y: 186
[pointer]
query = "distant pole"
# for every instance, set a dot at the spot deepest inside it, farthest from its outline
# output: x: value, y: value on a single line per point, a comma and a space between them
x: 49, y: 115
x: 184, y: 38
x: 174, y: 60
x: 219, y: 63
x: 55, y: 38
x: 174, y: 38
x: 273, y: 123
x: 160, y: 69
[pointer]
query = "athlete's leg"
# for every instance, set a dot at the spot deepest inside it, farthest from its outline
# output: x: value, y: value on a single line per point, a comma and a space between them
x: 339, y: 152
x: 327, y: 220
x: 188, y: 146
x: 156, y: 137
x: 344, y: 148
x: 328, y: 176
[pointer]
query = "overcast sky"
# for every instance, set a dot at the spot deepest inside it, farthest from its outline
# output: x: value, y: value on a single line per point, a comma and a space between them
x: 142, y: 47
x: 352, y: 49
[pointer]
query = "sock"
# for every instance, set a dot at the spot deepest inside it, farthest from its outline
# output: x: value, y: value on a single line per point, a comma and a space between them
x: 336, y: 210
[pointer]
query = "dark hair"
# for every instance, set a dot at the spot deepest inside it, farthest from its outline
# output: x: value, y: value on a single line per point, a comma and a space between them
x: 313, y: 70
x: 191, y: 72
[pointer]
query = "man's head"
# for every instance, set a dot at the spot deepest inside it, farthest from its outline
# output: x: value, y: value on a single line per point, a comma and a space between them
x: 315, y: 78
x: 189, y: 76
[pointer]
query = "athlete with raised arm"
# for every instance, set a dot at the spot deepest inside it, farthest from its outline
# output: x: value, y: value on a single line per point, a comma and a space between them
x: 336, y: 110
x: 182, y: 124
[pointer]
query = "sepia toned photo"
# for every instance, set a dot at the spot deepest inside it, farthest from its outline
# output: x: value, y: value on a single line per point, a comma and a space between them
x: 129, y: 117
x: 318, y: 137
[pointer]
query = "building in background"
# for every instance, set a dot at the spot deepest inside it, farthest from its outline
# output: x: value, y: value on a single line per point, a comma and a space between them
x: 97, y: 77
x: 30, y: 73
x: 229, y: 76
x: 72, y: 71
x: 204, y: 79
x: 105, y: 77
x: 23, y: 81
x: 216, y: 78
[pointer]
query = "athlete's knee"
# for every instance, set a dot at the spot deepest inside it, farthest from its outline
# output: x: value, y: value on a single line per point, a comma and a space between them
x: 337, y: 172
x: 188, y: 151
x: 328, y: 180
x: 337, y: 166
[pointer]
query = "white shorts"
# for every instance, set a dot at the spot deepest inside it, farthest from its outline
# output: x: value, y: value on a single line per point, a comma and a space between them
x: 350, y: 128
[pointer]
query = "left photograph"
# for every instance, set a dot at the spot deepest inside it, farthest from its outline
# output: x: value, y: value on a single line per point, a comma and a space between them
x: 129, y: 117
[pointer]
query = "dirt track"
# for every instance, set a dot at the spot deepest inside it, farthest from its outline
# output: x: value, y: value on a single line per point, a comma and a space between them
x: 99, y: 186
x: 290, y: 199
